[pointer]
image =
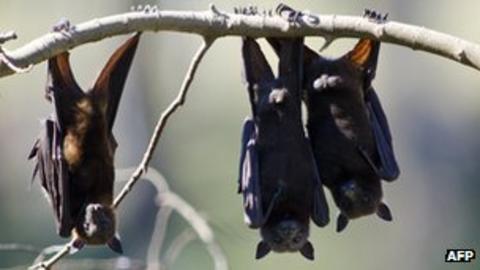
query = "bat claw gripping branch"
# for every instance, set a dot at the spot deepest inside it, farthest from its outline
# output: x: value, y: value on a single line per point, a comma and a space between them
x: 294, y: 16
x: 375, y: 16
x: 63, y: 25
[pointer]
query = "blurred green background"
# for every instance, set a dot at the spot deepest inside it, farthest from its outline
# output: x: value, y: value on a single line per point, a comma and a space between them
x: 432, y: 104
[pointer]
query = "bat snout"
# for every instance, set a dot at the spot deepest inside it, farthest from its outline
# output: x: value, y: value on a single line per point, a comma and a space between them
x: 288, y: 229
x: 291, y: 236
x: 99, y: 224
x: 351, y: 190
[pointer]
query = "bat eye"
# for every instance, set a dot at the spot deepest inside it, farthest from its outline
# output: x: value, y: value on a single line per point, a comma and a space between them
x: 297, y: 239
x: 366, y: 199
x: 277, y: 240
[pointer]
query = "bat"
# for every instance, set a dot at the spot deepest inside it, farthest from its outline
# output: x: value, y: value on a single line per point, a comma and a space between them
x: 278, y: 178
x: 348, y: 129
x: 75, y: 150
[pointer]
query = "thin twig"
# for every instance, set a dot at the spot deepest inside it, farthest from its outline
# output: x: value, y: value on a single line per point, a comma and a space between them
x: 168, y: 201
x: 162, y: 121
x: 7, y: 36
x: 46, y: 265
x: 48, y: 251
x: 199, y: 224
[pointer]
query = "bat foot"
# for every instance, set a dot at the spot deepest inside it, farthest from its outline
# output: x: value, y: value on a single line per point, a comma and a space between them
x: 146, y: 9
x: 63, y: 26
x: 375, y: 16
x: 296, y: 17
x: 248, y: 10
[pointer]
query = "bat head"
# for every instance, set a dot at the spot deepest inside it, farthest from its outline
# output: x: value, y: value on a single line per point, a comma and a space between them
x: 97, y: 227
x: 359, y: 197
x: 285, y: 236
x: 352, y: 72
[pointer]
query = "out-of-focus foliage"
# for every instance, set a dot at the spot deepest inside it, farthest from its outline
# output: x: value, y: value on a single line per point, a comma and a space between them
x: 432, y: 104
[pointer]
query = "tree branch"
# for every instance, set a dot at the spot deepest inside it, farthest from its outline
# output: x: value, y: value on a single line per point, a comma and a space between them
x: 162, y: 121
x: 214, y: 23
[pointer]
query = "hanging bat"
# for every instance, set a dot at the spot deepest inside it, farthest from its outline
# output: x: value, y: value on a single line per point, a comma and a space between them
x: 75, y: 150
x: 348, y: 129
x: 278, y: 179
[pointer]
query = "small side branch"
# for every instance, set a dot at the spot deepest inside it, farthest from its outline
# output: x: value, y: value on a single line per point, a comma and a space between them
x: 162, y: 121
x: 7, y: 36
x: 199, y: 224
x: 61, y: 251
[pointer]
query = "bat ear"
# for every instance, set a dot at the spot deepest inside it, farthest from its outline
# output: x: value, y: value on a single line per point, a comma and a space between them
x: 365, y: 55
x: 342, y: 222
x: 307, y: 251
x: 262, y: 250
x: 62, y: 88
x: 60, y: 74
x: 109, y: 85
x: 256, y: 67
x: 76, y: 246
x: 383, y: 212
x: 115, y: 244
x: 290, y: 56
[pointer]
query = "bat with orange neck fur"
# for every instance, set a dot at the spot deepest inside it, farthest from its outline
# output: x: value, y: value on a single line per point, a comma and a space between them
x: 347, y: 126
x: 75, y: 150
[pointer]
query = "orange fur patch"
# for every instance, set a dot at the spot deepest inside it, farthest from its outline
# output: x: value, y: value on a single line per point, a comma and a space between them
x: 360, y: 54
x: 73, y: 141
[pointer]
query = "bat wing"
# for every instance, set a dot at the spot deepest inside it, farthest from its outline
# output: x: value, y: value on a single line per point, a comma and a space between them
x: 291, y: 53
x: 109, y: 85
x: 51, y: 167
x: 53, y: 174
x: 63, y: 90
x: 320, y: 214
x: 387, y: 167
x: 256, y: 70
x: 249, y: 178
x: 365, y: 55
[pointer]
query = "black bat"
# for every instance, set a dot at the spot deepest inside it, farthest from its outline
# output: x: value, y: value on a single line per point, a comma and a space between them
x: 75, y: 149
x: 349, y: 132
x: 278, y: 178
